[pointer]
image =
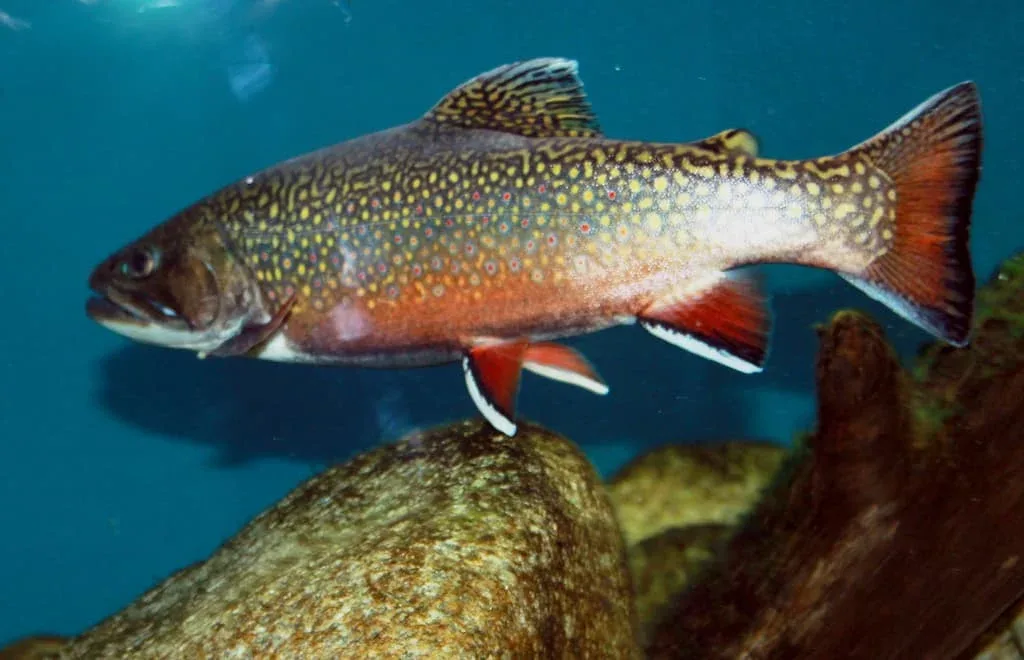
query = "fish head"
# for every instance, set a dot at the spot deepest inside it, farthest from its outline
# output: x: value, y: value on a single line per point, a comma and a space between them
x: 178, y: 286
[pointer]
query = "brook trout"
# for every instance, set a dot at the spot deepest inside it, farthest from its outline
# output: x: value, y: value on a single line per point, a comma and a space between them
x: 504, y: 219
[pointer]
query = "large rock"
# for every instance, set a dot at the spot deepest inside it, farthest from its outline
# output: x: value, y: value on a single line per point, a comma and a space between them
x: 898, y: 534
x: 459, y: 543
x: 677, y: 505
x: 681, y: 485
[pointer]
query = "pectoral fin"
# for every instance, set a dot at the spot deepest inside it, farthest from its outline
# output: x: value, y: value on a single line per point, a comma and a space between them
x: 253, y: 335
x: 725, y: 320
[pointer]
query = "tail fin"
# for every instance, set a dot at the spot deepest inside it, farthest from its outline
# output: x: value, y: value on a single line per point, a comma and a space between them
x: 933, y: 156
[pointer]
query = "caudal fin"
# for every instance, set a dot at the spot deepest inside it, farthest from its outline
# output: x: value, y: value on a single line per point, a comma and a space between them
x: 933, y: 157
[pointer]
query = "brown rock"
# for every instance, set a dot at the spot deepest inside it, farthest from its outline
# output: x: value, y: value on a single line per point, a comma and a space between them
x: 459, y: 543
x: 37, y: 647
x: 681, y: 485
x: 893, y: 538
x: 1005, y: 638
x: 663, y: 565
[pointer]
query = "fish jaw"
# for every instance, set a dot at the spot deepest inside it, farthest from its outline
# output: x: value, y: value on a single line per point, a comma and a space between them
x: 119, y: 314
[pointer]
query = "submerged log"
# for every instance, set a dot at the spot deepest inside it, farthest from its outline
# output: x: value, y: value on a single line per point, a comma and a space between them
x: 899, y: 532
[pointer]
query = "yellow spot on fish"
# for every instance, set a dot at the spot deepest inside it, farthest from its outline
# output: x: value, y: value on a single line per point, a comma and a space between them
x: 813, y: 188
x: 660, y: 184
x: 844, y: 210
x: 874, y: 181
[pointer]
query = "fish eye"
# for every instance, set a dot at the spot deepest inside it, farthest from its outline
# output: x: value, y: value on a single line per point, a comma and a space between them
x: 139, y: 264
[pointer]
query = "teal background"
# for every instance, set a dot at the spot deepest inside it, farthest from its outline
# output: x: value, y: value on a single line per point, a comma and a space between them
x: 121, y: 463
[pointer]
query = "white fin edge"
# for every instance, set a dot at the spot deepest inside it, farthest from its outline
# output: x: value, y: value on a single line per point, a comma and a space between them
x: 699, y: 348
x: 566, y: 376
x: 483, y: 404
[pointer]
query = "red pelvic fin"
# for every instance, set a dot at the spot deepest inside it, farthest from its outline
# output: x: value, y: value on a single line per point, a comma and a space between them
x: 253, y: 335
x: 933, y: 156
x: 492, y: 377
x: 563, y: 364
x: 727, y: 322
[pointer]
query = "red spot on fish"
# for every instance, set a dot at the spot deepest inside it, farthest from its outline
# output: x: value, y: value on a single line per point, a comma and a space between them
x: 491, y: 267
x: 374, y: 203
x: 382, y: 267
x: 542, y: 189
x: 392, y: 291
x: 448, y: 222
x: 503, y: 227
x: 611, y: 194
x: 317, y: 283
x: 272, y: 294
x: 398, y: 240
x: 362, y: 276
x: 552, y: 240
x: 419, y: 209
x: 530, y: 246
x: 336, y: 260
x: 350, y: 208
x: 436, y: 263
x: 361, y: 230
x: 289, y: 291
x: 428, y: 232
x: 476, y: 195
x: 264, y: 256
x: 506, y: 196
x: 416, y: 270
x: 312, y: 257
x: 470, y: 248
x: 514, y: 264
x: 585, y: 227
x: 524, y: 223
x: 486, y: 219
x: 455, y: 268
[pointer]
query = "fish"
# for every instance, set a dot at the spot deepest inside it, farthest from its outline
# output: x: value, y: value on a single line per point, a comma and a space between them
x: 503, y: 221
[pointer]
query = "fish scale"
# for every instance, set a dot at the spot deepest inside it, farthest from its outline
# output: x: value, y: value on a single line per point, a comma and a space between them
x: 504, y: 218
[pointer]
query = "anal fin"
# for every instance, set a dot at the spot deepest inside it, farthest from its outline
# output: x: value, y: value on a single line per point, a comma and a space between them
x: 727, y: 321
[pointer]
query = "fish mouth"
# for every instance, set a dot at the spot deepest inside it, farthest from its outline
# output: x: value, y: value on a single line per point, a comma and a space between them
x: 120, y: 308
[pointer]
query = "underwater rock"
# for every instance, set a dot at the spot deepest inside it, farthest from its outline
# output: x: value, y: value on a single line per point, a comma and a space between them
x: 898, y: 532
x: 1005, y: 639
x: 681, y: 485
x: 664, y: 564
x: 458, y: 542
x: 37, y: 647
x: 676, y: 506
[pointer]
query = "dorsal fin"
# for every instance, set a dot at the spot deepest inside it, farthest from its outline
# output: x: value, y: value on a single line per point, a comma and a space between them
x: 537, y: 98
x: 734, y: 140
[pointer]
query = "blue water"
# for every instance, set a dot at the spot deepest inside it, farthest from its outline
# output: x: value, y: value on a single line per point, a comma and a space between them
x: 121, y: 463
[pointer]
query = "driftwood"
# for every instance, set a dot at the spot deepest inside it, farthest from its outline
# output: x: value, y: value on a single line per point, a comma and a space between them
x: 898, y: 530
